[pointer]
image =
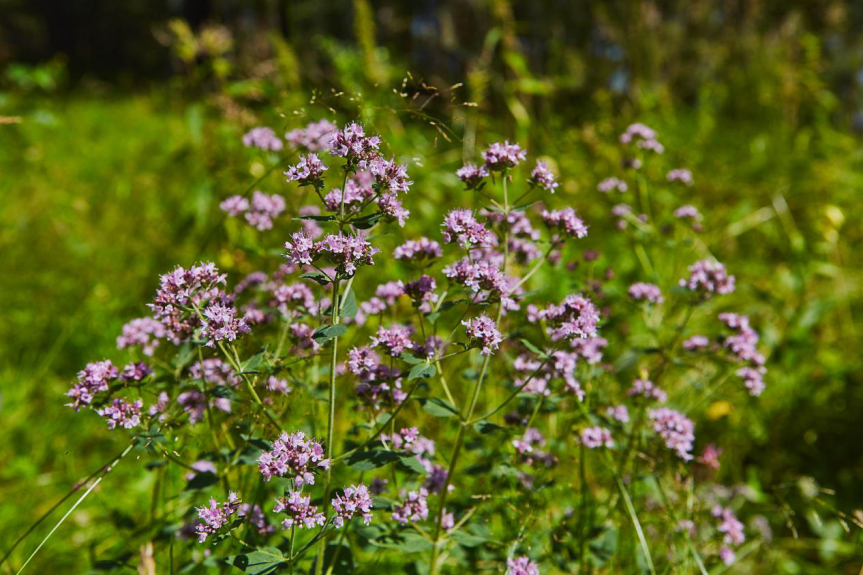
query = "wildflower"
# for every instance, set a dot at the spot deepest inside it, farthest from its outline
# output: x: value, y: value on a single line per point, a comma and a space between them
x: 264, y: 209
x: 220, y: 324
x: 199, y: 467
x: 483, y: 330
x: 389, y: 175
x: 263, y: 139
x: 647, y: 388
x: 301, y: 249
x: 144, y: 332
x: 354, y: 194
x: 743, y: 344
x: 347, y: 252
x: 418, y: 250
x: 293, y: 455
x: 390, y: 291
x: 710, y: 456
x: 566, y: 221
x: 590, y: 348
x: 393, y: 209
x: 135, y: 371
x: 214, y: 371
x: 278, y: 385
x: 618, y: 412
x: 194, y: 403
x: 234, y: 205
x: 541, y: 176
x: 421, y: 291
x: 680, y: 175
x: 726, y: 554
x: 461, y: 226
x: 521, y: 566
x: 93, y: 379
x: 596, y: 436
x: 160, y: 406
x: 315, y: 137
x: 415, y: 507
x: 611, y: 184
x: 707, y: 277
x: 178, y: 291
x: 643, y: 137
x: 675, y: 429
x: 308, y: 171
x: 576, y: 317
x: 531, y: 438
x: 214, y: 517
x: 301, y: 513
x: 352, y: 144
x: 753, y: 379
x: 729, y: 525
x: 499, y: 157
x: 394, y: 341
x: 688, y: 212
x: 123, y: 413
x: 294, y: 299
x: 256, y: 517
x: 696, y: 342
x: 355, y: 500
x: 644, y: 291
x: 311, y: 227
x: 472, y: 175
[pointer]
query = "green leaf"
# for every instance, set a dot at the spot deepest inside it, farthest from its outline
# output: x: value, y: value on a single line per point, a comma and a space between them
x: 317, y: 218
x: 425, y: 370
x: 410, y: 358
x: 411, y: 463
x: 533, y: 348
x: 466, y: 539
x: 438, y: 407
x: 327, y: 332
x: 373, y: 459
x: 366, y: 222
x: 259, y: 562
x: 202, y: 480
x: 348, y: 307
x: 224, y: 392
x: 254, y: 362
x: 486, y: 427
x: 406, y: 543
x: 316, y: 276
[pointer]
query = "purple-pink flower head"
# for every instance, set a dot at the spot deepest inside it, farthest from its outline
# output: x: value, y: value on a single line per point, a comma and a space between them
x: 264, y: 208
x: 744, y: 343
x: 301, y: 249
x: 135, y: 371
x: 695, y: 343
x: 543, y: 177
x: 502, y: 156
x: 214, y: 517
x: 300, y: 512
x: 352, y: 144
x: 308, y: 171
x: 643, y: 137
x: 392, y: 209
x: 421, y: 291
x: 394, y: 340
x: 521, y: 566
x: 648, y: 389
x: 462, y: 227
x: 565, y: 221
x: 414, y: 508
x: 729, y: 526
x: 421, y: 250
x: 688, y: 212
x: 707, y: 277
x: 576, y: 317
x: 93, y: 379
x: 315, y: 137
x: 215, y: 371
x: 596, y: 436
x: 356, y: 499
x: 144, y: 332
x: 618, y: 412
x: 234, y: 205
x: 347, y: 252
x: 293, y: 456
x: 389, y: 175
x: 122, y: 413
x: 645, y: 292
x: 675, y: 429
x: 472, y: 175
x: 611, y: 184
x: 680, y: 175
x: 482, y: 330
x: 221, y: 324
x: 262, y: 138
x: 180, y: 290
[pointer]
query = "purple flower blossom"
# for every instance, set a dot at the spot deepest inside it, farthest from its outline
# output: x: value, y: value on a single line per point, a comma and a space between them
x: 263, y: 139
x: 680, y: 175
x: 214, y: 517
x: 644, y: 291
x: 596, y: 436
x: 707, y: 277
x: 696, y: 342
x: 421, y: 291
x: 392, y: 208
x: 178, y: 291
x: 394, y: 341
x: 743, y: 344
x: 294, y: 300
x: 347, y: 252
x: 753, y: 379
x: 611, y: 184
x: 415, y: 507
x: 201, y: 466
x: 419, y: 250
x: 308, y: 171
x: 93, y: 379
x: 637, y: 132
x: 220, y: 324
x: 123, y: 413
x: 193, y: 402
x: 576, y: 317
x: 300, y: 512
x: 135, y: 371
x: 355, y: 500
x: 352, y: 144
x: 293, y: 455
x: 301, y: 249
x: 499, y: 157
x: 160, y: 406
x: 541, y: 176
x: 566, y: 221
x: 675, y: 429
x: 729, y: 526
x: 215, y: 371
x: 521, y: 566
x: 648, y: 389
x: 264, y: 209
x: 277, y: 385
x: 389, y: 175
x: 461, y: 226
x: 315, y: 137
x: 687, y: 212
x: 619, y: 413
x: 589, y: 348
x: 256, y: 517
x: 483, y: 330
x: 472, y: 175
x: 234, y: 205
x: 144, y: 332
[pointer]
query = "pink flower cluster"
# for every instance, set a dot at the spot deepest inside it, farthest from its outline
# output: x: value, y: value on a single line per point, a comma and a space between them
x: 293, y: 455
x: 575, y: 317
x: 645, y: 292
x: 144, y: 332
x: 315, y: 137
x: 565, y: 221
x: 216, y: 516
x: 221, y: 324
x: 299, y: 510
x: 596, y: 436
x: 124, y: 413
x: 356, y: 499
x: 181, y: 290
x: 263, y: 138
x: 418, y: 251
x: 462, y: 227
x: 346, y: 252
x: 309, y: 171
x: 675, y: 429
x: 482, y: 330
x: 707, y: 277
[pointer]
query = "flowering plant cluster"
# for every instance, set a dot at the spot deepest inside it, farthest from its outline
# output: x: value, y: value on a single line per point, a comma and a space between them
x: 472, y: 398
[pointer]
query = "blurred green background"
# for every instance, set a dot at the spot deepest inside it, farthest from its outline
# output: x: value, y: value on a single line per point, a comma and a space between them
x: 120, y: 127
